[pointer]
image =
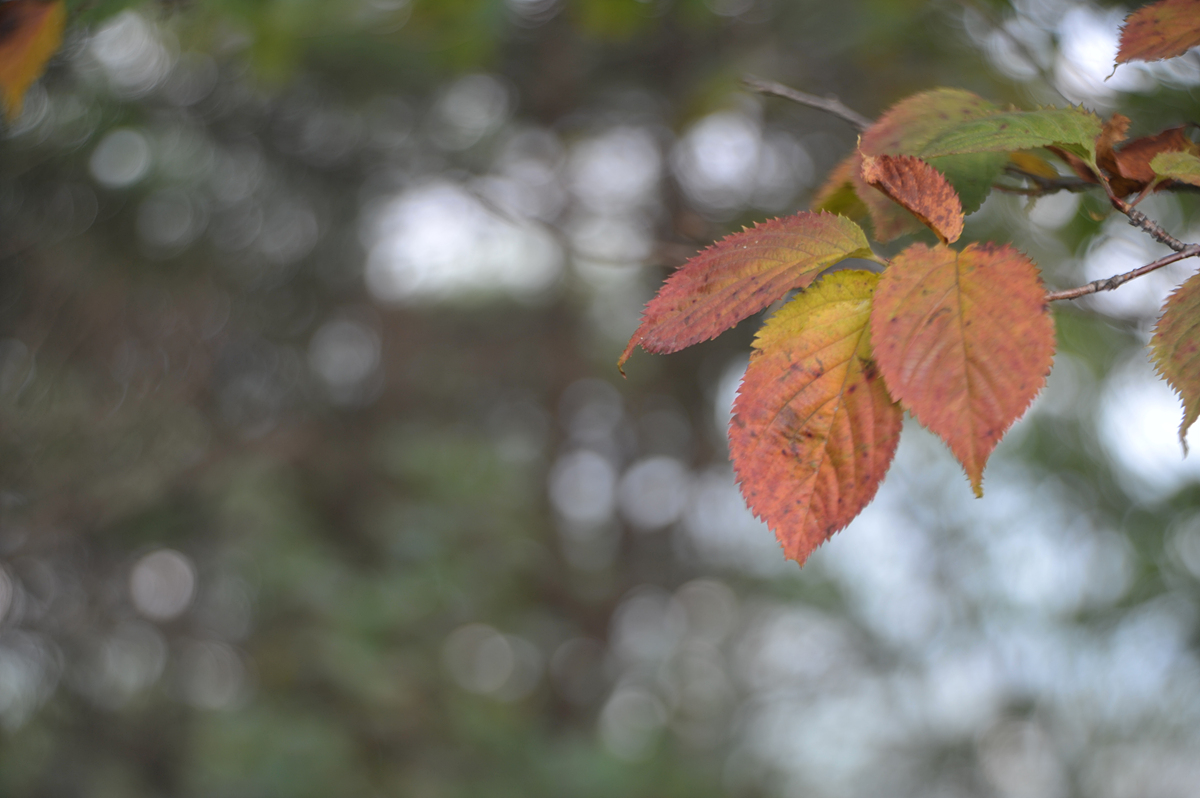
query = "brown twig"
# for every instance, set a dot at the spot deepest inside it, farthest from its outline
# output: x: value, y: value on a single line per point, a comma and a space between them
x: 1045, y: 185
x: 830, y: 105
x: 1141, y: 220
x: 1109, y: 283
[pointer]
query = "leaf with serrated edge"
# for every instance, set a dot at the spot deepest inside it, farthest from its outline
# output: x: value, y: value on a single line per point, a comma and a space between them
x: 907, y: 127
x: 919, y: 188
x: 30, y: 32
x: 1073, y: 129
x: 1160, y: 30
x: 742, y: 274
x: 903, y: 130
x: 964, y: 341
x: 1175, y: 347
x: 1181, y: 166
x: 813, y: 429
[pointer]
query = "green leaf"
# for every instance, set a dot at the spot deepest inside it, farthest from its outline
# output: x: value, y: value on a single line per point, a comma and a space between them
x: 1073, y: 129
x: 1181, y: 166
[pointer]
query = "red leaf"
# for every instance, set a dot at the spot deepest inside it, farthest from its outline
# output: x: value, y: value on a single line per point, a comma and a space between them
x: 1175, y: 347
x: 30, y: 32
x: 920, y: 188
x: 742, y: 274
x: 814, y: 430
x: 1160, y: 30
x: 964, y: 341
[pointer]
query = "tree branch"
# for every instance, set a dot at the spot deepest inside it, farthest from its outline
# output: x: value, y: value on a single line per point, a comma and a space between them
x: 1139, y: 219
x: 830, y: 105
x: 1109, y: 283
x: 1045, y: 185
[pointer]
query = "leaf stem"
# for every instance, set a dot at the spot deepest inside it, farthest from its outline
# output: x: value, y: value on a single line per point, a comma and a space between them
x: 1109, y: 283
x: 830, y: 105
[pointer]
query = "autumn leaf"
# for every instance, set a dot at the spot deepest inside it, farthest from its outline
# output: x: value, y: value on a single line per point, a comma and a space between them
x: 964, y: 341
x: 905, y: 129
x: 1160, y: 30
x: 1111, y: 134
x: 742, y: 274
x: 1073, y: 129
x: 814, y: 430
x: 1175, y: 348
x: 30, y: 32
x: 920, y: 188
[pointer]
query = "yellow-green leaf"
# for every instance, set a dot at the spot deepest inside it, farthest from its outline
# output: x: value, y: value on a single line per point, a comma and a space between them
x: 1181, y: 166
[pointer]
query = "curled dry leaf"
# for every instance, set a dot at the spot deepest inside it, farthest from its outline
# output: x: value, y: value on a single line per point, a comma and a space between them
x: 742, y: 274
x: 814, y: 429
x: 905, y: 129
x: 920, y: 188
x: 30, y: 32
x: 964, y: 341
x: 1160, y: 30
x: 1175, y: 347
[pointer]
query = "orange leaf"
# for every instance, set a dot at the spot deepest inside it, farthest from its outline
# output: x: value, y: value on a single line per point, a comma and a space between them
x: 814, y: 430
x: 1160, y: 30
x: 964, y: 340
x: 906, y: 128
x: 30, y: 32
x: 1175, y: 347
x: 742, y: 274
x: 920, y: 188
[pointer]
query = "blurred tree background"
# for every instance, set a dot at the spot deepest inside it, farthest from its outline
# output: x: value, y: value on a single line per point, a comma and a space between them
x: 318, y: 477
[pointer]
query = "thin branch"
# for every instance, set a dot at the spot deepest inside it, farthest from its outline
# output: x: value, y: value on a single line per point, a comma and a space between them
x: 1045, y: 185
x: 1109, y: 283
x: 1141, y: 220
x: 830, y: 105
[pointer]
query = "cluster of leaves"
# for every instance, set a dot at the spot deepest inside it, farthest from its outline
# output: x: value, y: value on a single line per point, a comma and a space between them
x: 962, y: 338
